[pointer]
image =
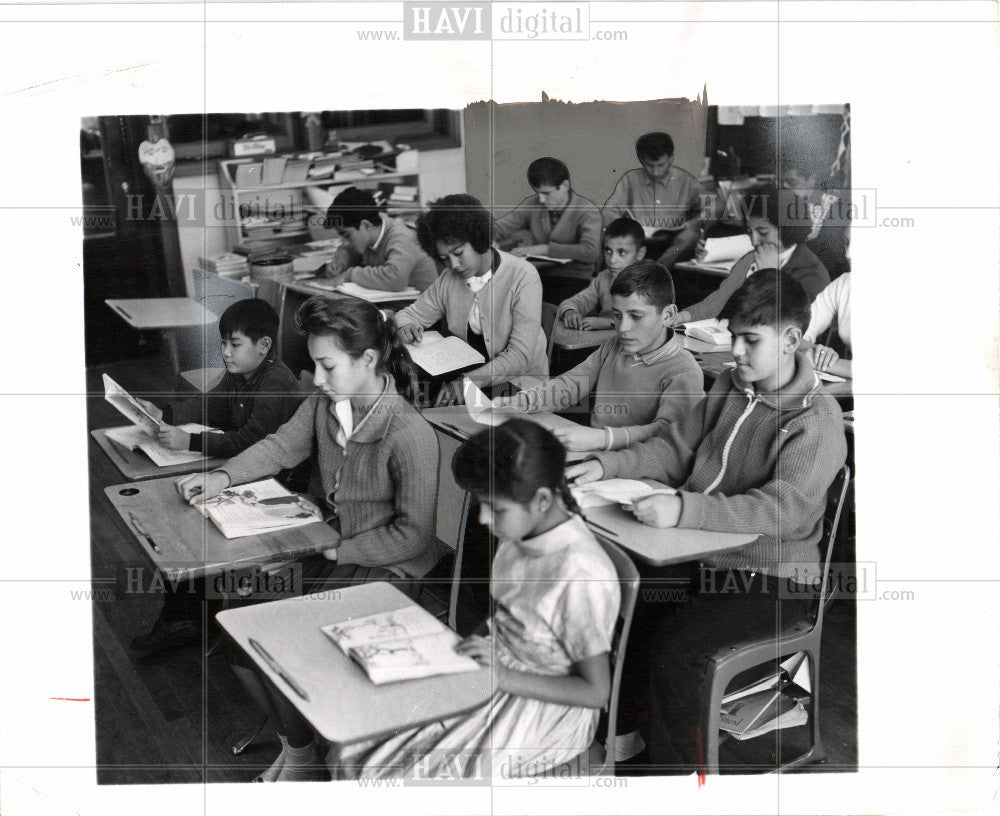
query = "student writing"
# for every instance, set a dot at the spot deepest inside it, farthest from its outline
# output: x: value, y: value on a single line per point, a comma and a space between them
x: 379, y: 252
x: 757, y: 455
x: 642, y: 380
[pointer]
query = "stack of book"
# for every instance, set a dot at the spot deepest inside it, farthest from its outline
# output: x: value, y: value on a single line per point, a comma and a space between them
x: 226, y: 265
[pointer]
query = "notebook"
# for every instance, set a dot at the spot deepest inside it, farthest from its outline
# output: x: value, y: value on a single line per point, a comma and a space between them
x: 401, y: 645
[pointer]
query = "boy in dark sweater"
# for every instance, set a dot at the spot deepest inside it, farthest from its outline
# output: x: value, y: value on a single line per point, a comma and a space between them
x: 757, y: 455
x: 255, y: 397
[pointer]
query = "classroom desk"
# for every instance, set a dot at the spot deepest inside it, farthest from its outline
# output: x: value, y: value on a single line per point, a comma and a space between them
x: 344, y: 706
x: 136, y: 466
x: 163, y: 314
x: 192, y: 546
x: 454, y: 421
x: 573, y: 339
x: 659, y: 546
x: 717, y: 271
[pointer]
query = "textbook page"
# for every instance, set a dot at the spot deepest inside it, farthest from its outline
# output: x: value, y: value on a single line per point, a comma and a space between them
x: 258, y: 507
x: 439, y: 355
x: 135, y: 438
x: 725, y: 251
x: 128, y: 405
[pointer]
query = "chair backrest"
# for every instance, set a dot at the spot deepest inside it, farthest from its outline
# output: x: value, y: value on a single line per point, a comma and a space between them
x: 548, y: 322
x: 835, y: 498
x: 628, y: 579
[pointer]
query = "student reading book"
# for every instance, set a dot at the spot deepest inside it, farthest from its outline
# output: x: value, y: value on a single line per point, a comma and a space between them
x: 379, y: 252
x: 757, y: 455
x: 487, y: 297
x: 590, y: 308
x: 257, y: 394
x: 556, y: 222
x: 377, y: 461
x: 642, y: 380
x: 557, y: 597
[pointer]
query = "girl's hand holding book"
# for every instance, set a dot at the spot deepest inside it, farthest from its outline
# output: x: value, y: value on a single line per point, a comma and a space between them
x: 200, y: 486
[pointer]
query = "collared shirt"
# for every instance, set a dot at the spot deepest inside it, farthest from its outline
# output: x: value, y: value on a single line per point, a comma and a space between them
x: 475, y: 284
x: 783, y: 257
x: 382, y: 232
x: 665, y: 349
x: 667, y: 204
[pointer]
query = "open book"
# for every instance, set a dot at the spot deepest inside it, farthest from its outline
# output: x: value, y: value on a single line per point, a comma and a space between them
x: 129, y: 406
x: 371, y: 295
x: 258, y: 507
x: 134, y: 438
x: 436, y: 354
x: 549, y: 259
x: 724, y: 252
x: 711, y: 331
x: 400, y: 645
x: 614, y: 491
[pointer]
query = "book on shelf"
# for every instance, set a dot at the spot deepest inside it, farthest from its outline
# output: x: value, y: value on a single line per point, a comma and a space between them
x: 437, y: 354
x: 134, y: 438
x: 402, y: 645
x: 258, y: 507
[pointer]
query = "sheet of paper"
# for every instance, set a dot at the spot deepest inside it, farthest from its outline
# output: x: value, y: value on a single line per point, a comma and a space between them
x: 479, y: 406
x: 614, y: 491
x: 729, y: 249
x: 439, y: 355
x: 376, y: 295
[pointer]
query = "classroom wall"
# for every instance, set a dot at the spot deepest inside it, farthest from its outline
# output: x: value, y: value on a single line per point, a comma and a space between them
x: 595, y: 139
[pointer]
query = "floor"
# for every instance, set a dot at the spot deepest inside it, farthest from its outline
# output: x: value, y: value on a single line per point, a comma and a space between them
x: 174, y: 717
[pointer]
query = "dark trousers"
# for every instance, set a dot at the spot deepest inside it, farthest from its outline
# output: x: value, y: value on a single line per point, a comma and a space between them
x: 726, y: 607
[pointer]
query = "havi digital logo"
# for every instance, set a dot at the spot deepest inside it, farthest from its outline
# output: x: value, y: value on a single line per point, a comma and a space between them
x: 446, y: 21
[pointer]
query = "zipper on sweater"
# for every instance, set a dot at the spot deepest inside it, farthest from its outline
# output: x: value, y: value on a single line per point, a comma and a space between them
x: 729, y: 443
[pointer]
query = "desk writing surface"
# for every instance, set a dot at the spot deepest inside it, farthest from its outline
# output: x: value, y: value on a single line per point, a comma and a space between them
x: 455, y: 421
x: 161, y: 313
x: 307, y: 286
x: 572, y: 339
x: 660, y: 546
x: 192, y: 546
x: 713, y: 271
x: 344, y: 706
x: 135, y: 465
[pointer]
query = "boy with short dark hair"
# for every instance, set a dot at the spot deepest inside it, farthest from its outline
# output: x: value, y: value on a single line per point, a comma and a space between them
x: 757, y: 455
x: 663, y: 198
x: 590, y: 309
x: 555, y: 221
x: 642, y: 380
x: 256, y: 396
x: 379, y: 252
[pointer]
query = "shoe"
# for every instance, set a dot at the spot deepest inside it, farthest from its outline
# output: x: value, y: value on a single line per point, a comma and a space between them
x: 167, y: 635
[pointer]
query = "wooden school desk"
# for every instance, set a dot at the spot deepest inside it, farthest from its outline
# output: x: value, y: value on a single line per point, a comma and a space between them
x: 659, y: 546
x: 454, y: 421
x: 574, y: 339
x: 135, y: 465
x: 344, y: 706
x: 191, y: 546
x: 163, y: 314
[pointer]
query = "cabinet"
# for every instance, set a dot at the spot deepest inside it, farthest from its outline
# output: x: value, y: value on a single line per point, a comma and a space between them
x: 271, y: 200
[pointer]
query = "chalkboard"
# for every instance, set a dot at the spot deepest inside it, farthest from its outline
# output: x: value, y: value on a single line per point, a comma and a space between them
x: 596, y: 140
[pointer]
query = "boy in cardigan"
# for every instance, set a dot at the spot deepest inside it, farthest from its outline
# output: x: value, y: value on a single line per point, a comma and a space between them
x: 558, y: 222
x: 379, y: 252
x: 590, y: 309
x: 642, y: 380
x: 757, y: 455
x: 256, y: 396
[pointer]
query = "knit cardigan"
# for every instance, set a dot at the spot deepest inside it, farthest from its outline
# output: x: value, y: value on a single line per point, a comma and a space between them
x: 510, y: 311
x: 805, y: 267
x: 751, y: 463
x: 386, y: 493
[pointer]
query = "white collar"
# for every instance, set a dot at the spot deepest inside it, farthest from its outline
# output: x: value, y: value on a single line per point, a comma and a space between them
x: 381, y: 235
x: 475, y: 284
x: 784, y: 256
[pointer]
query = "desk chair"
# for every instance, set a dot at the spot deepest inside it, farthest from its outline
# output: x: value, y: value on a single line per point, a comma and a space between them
x: 602, y: 757
x: 805, y: 637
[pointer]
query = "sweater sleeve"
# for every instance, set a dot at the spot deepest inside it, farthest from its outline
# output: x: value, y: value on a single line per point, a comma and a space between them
x: 411, y: 530
x: 568, y: 389
x: 713, y: 305
x: 510, y: 229
x: 427, y: 309
x: 666, y: 457
x: 679, y: 396
x: 585, y: 301
x: 526, y: 324
x: 285, y: 448
x: 588, y: 242
x: 810, y: 456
